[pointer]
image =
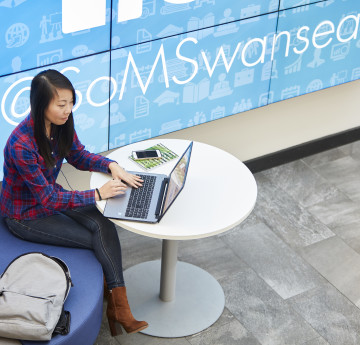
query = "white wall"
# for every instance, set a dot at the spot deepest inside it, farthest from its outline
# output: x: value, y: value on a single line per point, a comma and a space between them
x: 281, y: 125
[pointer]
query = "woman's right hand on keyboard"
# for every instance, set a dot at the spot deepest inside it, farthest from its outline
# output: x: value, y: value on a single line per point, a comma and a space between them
x: 110, y: 189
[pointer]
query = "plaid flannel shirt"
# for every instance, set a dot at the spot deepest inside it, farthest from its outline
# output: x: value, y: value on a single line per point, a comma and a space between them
x: 29, y: 189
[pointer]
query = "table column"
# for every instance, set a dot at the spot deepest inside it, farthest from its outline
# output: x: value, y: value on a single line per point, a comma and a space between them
x: 168, y: 270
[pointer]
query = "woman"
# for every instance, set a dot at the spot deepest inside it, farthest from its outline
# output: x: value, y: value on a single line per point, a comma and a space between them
x: 38, y: 209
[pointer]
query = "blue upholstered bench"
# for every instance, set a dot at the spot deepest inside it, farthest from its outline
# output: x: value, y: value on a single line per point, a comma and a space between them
x: 85, y: 300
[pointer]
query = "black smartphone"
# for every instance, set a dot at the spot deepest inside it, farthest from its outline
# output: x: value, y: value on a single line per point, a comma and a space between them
x: 146, y: 154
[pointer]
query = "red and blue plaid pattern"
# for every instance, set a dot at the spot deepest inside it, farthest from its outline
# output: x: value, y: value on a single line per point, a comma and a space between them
x: 29, y: 189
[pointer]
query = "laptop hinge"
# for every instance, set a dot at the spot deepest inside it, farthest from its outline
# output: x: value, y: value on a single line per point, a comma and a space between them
x: 161, y: 197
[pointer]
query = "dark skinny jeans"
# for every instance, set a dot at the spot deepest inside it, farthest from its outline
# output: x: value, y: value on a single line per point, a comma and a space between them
x: 83, y: 227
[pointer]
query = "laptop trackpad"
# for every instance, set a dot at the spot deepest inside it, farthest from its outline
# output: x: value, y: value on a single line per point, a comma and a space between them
x: 116, y: 206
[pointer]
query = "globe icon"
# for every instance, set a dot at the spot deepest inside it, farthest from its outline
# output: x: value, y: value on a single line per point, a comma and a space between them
x: 17, y: 35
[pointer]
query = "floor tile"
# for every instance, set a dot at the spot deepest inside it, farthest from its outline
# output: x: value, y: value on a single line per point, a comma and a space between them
x: 281, y: 268
x: 301, y: 182
x: 289, y: 220
x: 349, y: 233
x: 228, y: 334
x: 338, y: 263
x: 336, y: 212
x: 264, y: 313
x: 212, y: 255
x: 335, y: 171
x: 332, y: 315
x: 352, y: 149
x: 251, y: 220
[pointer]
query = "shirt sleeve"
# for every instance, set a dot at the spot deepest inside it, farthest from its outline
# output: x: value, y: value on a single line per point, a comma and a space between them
x: 84, y: 160
x: 45, y: 193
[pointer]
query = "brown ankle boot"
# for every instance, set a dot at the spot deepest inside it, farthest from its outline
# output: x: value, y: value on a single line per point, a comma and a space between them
x: 118, y: 311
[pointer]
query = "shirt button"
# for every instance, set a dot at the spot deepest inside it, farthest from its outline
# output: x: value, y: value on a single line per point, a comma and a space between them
x: 55, y: 166
x: 51, y: 138
x: 52, y: 153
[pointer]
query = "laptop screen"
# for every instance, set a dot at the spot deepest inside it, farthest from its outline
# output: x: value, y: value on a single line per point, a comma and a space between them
x: 177, y: 179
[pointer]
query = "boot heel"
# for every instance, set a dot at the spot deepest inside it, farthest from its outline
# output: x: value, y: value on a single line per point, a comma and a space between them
x: 115, y: 328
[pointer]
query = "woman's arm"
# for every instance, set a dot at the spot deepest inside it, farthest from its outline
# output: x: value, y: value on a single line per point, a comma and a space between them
x: 84, y: 160
x: 26, y: 162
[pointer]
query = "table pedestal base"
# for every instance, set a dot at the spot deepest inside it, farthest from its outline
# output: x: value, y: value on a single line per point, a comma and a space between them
x: 199, y: 299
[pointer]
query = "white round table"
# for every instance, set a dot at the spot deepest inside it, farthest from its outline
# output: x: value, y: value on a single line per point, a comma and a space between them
x: 219, y: 193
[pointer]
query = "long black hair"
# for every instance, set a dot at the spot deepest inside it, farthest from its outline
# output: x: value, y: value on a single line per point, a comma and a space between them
x: 43, y: 90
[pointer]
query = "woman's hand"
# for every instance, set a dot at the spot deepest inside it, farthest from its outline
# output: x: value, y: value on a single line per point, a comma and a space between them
x: 118, y: 173
x: 110, y: 189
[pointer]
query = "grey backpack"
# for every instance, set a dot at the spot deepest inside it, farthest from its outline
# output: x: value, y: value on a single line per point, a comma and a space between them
x: 33, y: 289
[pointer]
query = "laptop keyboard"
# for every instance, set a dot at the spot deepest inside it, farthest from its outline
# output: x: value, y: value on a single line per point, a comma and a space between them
x: 140, y: 198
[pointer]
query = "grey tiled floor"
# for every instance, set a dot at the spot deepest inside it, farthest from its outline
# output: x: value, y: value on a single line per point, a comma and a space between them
x: 291, y: 271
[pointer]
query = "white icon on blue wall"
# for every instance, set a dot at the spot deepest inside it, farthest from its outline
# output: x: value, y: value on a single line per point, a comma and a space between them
x: 142, y: 107
x: 195, y: 23
x: 194, y: 93
x: 51, y: 28
x: 171, y: 126
x: 251, y: 11
x: 17, y: 35
x: 172, y: 6
x: 140, y: 135
x: 116, y: 116
x: 217, y: 113
x: 49, y: 57
x: 83, y: 121
x: 315, y: 85
x: 175, y: 67
x: 290, y: 92
x: 120, y: 140
x: 11, y: 3
x: 149, y: 8
x: 294, y: 67
x: 167, y: 97
x: 87, y: 14
x: 243, y: 105
x: 339, y: 51
x: 143, y: 36
x: 244, y: 77
x: 317, y: 61
x: 338, y: 77
x: 355, y: 73
x: 200, y: 3
x: 266, y: 98
x: 227, y: 25
x: 221, y: 88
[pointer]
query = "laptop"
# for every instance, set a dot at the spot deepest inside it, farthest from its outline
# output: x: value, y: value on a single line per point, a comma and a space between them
x: 150, y: 202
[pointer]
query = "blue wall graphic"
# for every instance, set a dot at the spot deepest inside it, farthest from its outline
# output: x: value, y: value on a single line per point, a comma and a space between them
x: 142, y: 68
